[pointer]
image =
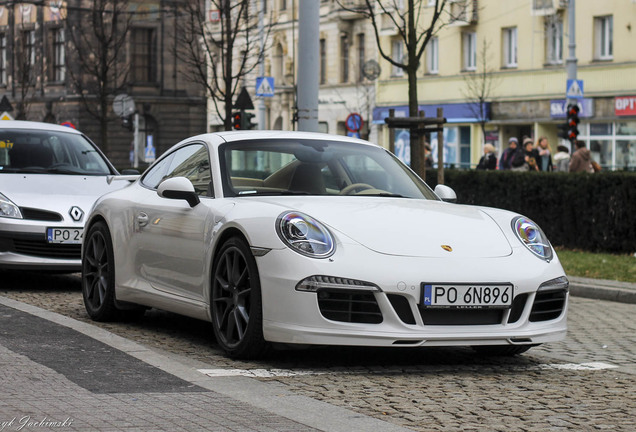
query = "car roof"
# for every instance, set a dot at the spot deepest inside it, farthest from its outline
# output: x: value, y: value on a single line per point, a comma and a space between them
x: 218, y: 138
x: 21, y: 124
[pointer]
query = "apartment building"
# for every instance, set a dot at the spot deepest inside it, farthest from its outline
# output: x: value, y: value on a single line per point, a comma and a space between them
x: 347, y: 89
x: 43, y: 45
x: 523, y: 46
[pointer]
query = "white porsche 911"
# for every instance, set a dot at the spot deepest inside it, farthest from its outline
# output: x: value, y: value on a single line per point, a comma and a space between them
x: 311, y: 239
x: 50, y: 177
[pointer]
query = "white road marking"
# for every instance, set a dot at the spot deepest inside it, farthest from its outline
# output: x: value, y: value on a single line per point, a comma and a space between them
x: 593, y: 366
x: 274, y: 373
x: 259, y: 373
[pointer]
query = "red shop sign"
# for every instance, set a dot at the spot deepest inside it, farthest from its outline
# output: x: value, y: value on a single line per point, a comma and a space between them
x: 625, y: 105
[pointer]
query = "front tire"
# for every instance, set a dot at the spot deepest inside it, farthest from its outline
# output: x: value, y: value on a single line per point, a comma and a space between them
x: 98, y: 274
x: 236, y: 303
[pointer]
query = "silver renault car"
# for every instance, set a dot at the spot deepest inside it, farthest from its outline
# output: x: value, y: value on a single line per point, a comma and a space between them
x: 50, y: 176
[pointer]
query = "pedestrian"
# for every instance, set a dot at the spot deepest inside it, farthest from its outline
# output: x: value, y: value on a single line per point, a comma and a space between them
x: 527, y: 159
x: 508, y: 154
x: 520, y: 159
x: 544, y: 158
x: 562, y: 159
x: 581, y: 160
x: 488, y: 161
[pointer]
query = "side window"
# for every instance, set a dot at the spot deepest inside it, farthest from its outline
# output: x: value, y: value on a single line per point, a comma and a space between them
x: 191, y: 162
x: 157, y: 173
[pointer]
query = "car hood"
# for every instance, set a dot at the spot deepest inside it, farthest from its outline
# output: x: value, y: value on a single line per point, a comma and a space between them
x: 55, y: 192
x: 409, y: 227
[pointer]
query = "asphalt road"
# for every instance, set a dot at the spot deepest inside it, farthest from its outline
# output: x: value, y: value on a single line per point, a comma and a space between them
x: 586, y: 382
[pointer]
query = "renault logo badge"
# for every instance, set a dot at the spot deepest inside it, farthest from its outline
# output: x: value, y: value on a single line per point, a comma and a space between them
x: 447, y: 248
x: 76, y: 213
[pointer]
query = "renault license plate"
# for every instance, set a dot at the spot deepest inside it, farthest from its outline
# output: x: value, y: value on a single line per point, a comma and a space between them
x: 64, y: 235
x: 467, y: 295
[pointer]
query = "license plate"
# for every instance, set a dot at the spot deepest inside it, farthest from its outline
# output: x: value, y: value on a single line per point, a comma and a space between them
x: 64, y: 235
x: 467, y: 295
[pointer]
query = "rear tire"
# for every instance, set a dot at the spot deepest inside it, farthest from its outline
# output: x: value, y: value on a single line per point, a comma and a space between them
x: 236, y: 303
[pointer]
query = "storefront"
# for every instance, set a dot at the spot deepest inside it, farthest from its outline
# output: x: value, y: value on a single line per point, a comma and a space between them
x: 461, y: 122
x: 610, y: 136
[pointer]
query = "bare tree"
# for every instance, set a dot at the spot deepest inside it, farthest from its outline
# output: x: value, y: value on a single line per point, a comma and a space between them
x: 414, y: 29
x: 479, y: 88
x: 222, y: 46
x: 97, y: 67
x: 25, y: 61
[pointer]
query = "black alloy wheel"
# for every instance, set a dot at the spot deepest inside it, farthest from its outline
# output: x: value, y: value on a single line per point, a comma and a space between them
x: 237, y: 315
x: 98, y: 274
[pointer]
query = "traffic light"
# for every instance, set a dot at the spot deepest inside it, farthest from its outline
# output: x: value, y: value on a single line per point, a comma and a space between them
x: 247, y: 121
x: 237, y: 120
x: 127, y: 122
x: 573, y: 122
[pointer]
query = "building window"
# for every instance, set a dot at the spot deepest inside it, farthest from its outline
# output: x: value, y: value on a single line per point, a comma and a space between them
x: 57, y: 55
x: 604, y: 28
x: 432, y: 56
x: 144, y: 54
x: 361, y: 56
x: 323, y: 61
x: 510, y: 47
x: 283, y: 5
x: 3, y: 59
x: 470, y: 51
x: 344, y: 58
x: 397, y: 54
x: 26, y: 57
x: 554, y: 40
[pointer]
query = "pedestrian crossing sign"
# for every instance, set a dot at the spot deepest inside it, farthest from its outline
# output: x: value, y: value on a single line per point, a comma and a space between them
x: 265, y: 86
x: 574, y: 89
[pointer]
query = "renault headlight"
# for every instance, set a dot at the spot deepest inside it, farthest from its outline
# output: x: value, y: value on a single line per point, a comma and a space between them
x: 532, y: 237
x: 8, y: 209
x: 305, y: 235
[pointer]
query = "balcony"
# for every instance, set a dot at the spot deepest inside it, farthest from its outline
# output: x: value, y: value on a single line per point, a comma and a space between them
x: 548, y: 7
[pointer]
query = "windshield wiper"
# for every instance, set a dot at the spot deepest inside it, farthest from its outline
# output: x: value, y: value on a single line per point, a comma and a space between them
x: 383, y: 194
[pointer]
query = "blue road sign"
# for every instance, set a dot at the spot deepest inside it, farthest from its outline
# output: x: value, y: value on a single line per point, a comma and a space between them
x: 265, y: 86
x: 574, y: 89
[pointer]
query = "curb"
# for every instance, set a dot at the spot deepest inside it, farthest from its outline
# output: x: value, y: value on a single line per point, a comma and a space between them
x: 599, y: 289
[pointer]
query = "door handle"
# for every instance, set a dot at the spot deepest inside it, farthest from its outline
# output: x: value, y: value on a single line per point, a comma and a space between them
x: 142, y: 219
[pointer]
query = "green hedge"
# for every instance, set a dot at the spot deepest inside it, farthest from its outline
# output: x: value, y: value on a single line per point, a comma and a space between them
x: 594, y: 212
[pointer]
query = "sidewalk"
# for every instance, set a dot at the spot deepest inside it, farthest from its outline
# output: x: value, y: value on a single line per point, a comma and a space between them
x: 601, y: 289
x: 61, y: 374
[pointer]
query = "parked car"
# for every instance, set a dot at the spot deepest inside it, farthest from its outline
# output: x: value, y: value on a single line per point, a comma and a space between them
x: 50, y: 177
x: 300, y: 238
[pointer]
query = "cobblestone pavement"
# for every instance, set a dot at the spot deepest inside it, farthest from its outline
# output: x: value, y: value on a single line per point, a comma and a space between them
x: 422, y: 389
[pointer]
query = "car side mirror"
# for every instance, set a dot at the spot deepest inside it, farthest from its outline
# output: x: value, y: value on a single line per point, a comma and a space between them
x: 446, y: 193
x: 178, y: 188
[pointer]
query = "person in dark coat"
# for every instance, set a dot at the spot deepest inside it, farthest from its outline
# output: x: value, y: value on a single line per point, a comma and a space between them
x: 488, y: 161
x: 508, y: 154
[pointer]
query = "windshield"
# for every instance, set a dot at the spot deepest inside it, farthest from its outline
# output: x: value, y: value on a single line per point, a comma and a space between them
x: 315, y: 167
x: 49, y: 152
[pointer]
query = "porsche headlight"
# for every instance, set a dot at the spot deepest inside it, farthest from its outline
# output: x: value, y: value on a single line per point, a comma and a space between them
x: 305, y: 235
x: 532, y: 237
x: 8, y: 209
